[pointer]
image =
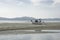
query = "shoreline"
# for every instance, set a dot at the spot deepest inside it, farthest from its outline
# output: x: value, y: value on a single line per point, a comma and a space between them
x: 25, y: 32
x: 11, y: 28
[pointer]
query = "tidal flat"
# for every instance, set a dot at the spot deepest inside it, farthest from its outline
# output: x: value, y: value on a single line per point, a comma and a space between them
x: 11, y: 28
x: 29, y: 26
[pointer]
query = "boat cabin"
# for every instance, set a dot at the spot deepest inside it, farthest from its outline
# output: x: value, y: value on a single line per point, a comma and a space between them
x: 36, y: 21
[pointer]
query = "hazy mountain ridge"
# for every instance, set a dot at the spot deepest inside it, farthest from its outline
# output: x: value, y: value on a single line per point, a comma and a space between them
x: 18, y: 18
x: 27, y: 18
x: 52, y: 19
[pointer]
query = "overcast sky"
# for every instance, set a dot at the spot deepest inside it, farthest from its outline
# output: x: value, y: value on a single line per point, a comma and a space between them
x: 31, y: 8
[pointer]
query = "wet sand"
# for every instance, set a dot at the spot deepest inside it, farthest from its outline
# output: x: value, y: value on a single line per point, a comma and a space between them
x: 29, y: 26
x: 15, y: 28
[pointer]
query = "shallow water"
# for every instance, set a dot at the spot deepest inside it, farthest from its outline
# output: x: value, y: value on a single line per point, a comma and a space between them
x: 48, y: 36
x: 37, y: 36
x: 8, y: 21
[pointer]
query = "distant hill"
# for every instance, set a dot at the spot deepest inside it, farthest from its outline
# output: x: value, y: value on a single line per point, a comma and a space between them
x: 27, y: 18
x: 23, y: 18
x: 18, y: 18
x: 52, y: 19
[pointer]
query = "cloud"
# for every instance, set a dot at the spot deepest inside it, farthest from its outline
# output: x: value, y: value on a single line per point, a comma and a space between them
x: 25, y: 1
x: 49, y: 2
x: 45, y: 3
x: 42, y: 2
x: 8, y: 2
x: 57, y: 1
x: 35, y: 2
x: 19, y: 3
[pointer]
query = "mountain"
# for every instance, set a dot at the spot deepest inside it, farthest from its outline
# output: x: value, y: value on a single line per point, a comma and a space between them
x: 23, y: 18
x: 52, y: 19
x: 18, y: 18
x: 28, y: 18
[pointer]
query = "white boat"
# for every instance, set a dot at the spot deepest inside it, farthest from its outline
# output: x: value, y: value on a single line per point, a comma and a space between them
x: 37, y: 21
